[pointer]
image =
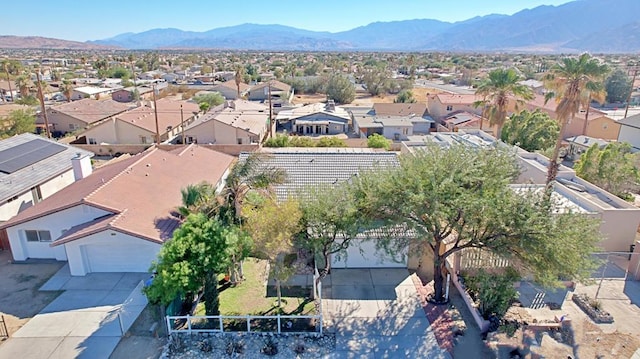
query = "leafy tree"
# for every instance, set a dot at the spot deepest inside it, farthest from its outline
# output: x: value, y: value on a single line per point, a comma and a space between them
x: 460, y: 197
x: 208, y: 100
x: 340, y: 89
x: 376, y: 79
x: 312, y: 69
x: 273, y: 227
x: 618, y: 86
x: 497, y: 90
x: 378, y: 141
x: 405, y: 96
x: 331, y: 220
x: 612, y: 168
x: 573, y: 83
x: 28, y: 101
x: 17, y: 122
x: 279, y: 141
x: 531, y: 131
x: 192, y: 260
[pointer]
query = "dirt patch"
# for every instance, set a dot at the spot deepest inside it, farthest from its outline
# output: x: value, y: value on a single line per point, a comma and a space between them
x: 305, y: 99
x: 20, y: 299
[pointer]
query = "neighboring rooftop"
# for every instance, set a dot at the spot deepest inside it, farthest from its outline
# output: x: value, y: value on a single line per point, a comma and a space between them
x: 246, y: 115
x: 312, y: 166
x: 38, y: 169
x: 89, y: 110
x: 168, y: 114
x: 328, y: 109
x: 141, y: 192
x: 400, y: 109
x: 563, y: 203
x: 632, y: 121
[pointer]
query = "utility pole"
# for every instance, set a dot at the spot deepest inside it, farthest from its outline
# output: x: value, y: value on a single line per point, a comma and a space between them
x: 6, y: 69
x: 182, y: 123
x: 626, y: 110
x: 44, y: 110
x: 155, y: 111
x: 270, y: 113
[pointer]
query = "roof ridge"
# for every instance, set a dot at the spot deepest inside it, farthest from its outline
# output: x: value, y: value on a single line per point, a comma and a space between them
x: 104, y: 184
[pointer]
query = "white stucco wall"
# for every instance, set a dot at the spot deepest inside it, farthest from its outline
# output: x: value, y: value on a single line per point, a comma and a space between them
x: 25, y: 200
x: 391, y: 131
x: 629, y: 134
x: 133, y: 254
x: 118, y: 132
x: 55, y: 223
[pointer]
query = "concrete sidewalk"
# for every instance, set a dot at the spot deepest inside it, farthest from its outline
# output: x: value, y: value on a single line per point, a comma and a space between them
x: 86, y: 321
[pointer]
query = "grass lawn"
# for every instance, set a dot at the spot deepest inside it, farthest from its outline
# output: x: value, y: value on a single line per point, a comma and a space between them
x: 252, y: 297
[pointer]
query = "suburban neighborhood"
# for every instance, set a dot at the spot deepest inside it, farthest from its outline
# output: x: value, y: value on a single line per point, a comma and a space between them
x: 163, y: 200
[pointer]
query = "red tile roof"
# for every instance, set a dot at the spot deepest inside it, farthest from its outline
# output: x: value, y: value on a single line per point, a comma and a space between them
x: 141, y: 192
x: 90, y: 111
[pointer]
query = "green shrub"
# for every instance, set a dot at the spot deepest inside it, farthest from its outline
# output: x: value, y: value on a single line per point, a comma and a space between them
x: 378, y: 141
x: 278, y: 141
x: 494, y: 292
x: 331, y: 142
x: 302, y: 142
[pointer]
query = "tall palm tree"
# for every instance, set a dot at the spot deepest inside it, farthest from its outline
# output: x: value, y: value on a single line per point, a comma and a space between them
x: 497, y: 90
x: 199, y: 198
x: 238, y: 77
x: 572, y: 83
x: 23, y: 82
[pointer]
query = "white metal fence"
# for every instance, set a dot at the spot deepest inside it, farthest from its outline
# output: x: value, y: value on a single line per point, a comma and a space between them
x: 473, y: 258
x: 250, y: 323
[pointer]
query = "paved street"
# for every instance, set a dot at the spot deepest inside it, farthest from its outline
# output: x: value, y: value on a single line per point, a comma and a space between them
x: 86, y: 321
x: 376, y: 313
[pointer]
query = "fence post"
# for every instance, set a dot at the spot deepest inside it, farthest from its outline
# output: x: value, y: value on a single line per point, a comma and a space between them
x: 189, y: 323
x: 279, y: 323
x: 120, y: 321
x: 248, y: 324
x: 320, y: 324
x: 221, y: 326
x: 169, y: 329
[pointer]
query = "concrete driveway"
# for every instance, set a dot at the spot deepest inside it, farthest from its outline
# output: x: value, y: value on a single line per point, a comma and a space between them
x: 376, y: 313
x: 86, y: 321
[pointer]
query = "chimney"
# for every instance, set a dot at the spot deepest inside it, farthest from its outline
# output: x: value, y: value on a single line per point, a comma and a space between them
x: 331, y: 105
x: 81, y: 166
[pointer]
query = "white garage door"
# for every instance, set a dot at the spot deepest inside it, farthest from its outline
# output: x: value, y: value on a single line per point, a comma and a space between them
x: 105, y: 258
x: 363, y: 254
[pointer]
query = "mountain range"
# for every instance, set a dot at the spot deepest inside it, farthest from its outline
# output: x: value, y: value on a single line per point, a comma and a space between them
x: 607, y: 26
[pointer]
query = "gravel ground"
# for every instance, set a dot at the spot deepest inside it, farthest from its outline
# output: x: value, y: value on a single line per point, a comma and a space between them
x: 248, y: 345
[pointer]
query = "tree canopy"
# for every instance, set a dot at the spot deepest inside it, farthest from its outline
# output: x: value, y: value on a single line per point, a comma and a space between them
x: 405, y: 96
x: 199, y: 250
x: 17, y: 122
x: 340, y: 89
x: 618, y: 86
x: 531, y: 131
x: 460, y: 197
x: 497, y: 90
x: 209, y: 100
x: 613, y: 168
x: 378, y: 141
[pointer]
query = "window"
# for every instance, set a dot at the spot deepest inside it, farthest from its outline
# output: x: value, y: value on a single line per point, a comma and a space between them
x: 239, y: 141
x: 143, y: 139
x: 449, y: 108
x: 92, y: 141
x: 38, y: 236
x: 73, y: 126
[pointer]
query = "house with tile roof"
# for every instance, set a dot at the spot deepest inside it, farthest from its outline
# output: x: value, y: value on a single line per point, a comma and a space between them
x: 78, y: 115
x: 229, y: 90
x: 33, y: 168
x: 117, y: 218
x: 630, y: 131
x: 279, y: 90
x: 394, y: 121
x: 309, y: 167
x: 315, y: 119
x: 234, y: 122
x: 138, y: 125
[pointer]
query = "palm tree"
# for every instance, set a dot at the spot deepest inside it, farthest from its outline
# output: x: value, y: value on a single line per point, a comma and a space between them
x: 252, y: 174
x: 497, y: 90
x: 23, y: 82
x: 238, y: 77
x: 573, y: 83
x: 67, y: 89
x: 199, y: 198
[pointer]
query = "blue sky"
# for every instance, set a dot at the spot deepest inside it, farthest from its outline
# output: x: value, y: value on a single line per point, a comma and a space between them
x: 83, y: 20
